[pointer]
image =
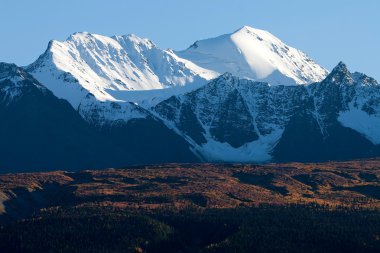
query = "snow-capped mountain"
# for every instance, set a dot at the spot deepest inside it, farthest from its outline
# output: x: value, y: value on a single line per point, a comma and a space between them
x: 232, y: 119
x: 105, y: 77
x: 132, y: 102
x: 255, y: 54
x: 107, y: 67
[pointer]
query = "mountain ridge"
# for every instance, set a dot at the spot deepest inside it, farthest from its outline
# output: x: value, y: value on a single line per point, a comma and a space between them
x: 119, y: 63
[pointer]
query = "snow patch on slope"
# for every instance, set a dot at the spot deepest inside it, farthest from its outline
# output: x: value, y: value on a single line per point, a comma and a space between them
x: 102, y: 113
x: 256, y: 151
x: 362, y: 122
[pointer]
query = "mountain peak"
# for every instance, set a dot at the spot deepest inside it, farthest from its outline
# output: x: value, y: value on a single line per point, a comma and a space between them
x: 11, y: 71
x: 136, y: 40
x: 341, y: 67
x: 78, y: 35
x: 4, y: 66
x: 226, y: 76
x: 249, y: 29
x: 340, y: 75
x: 244, y: 28
x: 363, y: 79
x: 15, y: 81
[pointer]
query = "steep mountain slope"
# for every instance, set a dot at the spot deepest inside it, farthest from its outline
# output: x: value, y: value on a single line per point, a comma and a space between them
x: 232, y: 119
x: 38, y: 131
x: 255, y: 54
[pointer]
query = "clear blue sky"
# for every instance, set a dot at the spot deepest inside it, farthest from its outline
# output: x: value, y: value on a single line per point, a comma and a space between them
x: 327, y: 30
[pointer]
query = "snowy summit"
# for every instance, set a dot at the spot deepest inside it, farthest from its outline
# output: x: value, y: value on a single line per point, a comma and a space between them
x: 255, y: 54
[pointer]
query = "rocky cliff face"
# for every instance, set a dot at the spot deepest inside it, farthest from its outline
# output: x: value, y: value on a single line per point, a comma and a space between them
x: 231, y: 119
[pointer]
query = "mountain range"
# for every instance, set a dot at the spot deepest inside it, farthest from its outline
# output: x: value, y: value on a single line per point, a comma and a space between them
x: 93, y: 101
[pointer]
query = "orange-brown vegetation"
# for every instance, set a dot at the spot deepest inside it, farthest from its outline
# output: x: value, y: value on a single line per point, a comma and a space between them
x: 177, y: 186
